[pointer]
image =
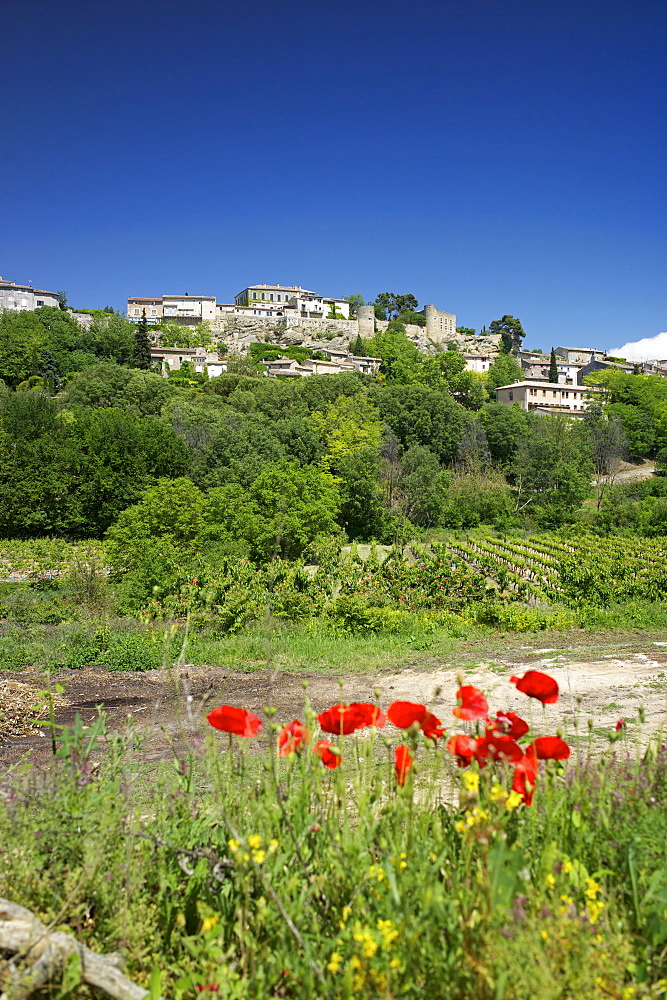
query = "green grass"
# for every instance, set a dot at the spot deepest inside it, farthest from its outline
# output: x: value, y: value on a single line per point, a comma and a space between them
x: 276, y: 878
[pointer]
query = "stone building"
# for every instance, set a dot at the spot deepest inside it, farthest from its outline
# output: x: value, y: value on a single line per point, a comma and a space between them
x: 546, y: 397
x: 16, y: 298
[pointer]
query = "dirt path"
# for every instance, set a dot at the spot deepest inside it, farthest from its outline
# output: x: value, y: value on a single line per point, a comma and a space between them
x: 603, y: 679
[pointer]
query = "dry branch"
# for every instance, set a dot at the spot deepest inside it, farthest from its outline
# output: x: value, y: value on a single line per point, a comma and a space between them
x: 44, y: 954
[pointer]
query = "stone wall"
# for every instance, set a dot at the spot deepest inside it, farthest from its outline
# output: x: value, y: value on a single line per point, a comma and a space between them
x: 238, y: 332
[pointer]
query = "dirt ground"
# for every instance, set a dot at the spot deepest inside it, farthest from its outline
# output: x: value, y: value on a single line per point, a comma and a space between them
x: 602, y: 679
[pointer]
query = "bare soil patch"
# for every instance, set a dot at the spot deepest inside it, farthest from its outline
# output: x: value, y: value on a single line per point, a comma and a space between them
x: 602, y: 679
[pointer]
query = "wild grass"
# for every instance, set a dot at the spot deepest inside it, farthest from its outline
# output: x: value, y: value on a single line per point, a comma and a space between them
x: 237, y: 873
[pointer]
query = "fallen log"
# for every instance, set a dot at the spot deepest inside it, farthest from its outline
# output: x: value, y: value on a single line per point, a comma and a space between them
x: 43, y: 955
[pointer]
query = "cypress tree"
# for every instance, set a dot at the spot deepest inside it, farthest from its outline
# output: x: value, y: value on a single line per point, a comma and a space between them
x: 357, y: 346
x: 141, y: 353
x: 553, y: 367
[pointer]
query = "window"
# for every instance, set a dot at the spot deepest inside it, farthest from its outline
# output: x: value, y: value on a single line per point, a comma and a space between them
x: 511, y: 394
x: 263, y: 295
x: 40, y: 302
x: 254, y: 295
x: 271, y: 296
x: 136, y: 312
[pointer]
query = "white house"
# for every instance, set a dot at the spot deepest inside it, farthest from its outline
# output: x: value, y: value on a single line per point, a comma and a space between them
x: 16, y: 298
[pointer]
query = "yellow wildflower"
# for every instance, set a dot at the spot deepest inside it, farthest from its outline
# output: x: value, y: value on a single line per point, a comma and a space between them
x: 258, y: 856
x: 498, y: 793
x: 209, y: 923
x: 544, y: 935
x: 233, y: 845
x: 355, y: 962
x: 567, y: 867
x: 550, y: 881
x: 273, y: 846
x: 395, y: 963
x: 513, y: 800
x: 254, y: 841
x: 471, y: 782
x: 592, y: 888
x: 334, y: 963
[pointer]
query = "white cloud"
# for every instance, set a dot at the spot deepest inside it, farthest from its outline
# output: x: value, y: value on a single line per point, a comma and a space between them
x: 648, y: 349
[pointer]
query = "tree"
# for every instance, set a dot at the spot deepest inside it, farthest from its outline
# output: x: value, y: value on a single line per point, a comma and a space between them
x: 62, y: 300
x: 386, y: 302
x: 355, y: 301
x: 357, y: 346
x: 551, y: 470
x: 22, y: 339
x: 393, y: 305
x: 350, y: 424
x: 503, y: 371
x: 505, y: 427
x: 108, y: 384
x: 141, y: 354
x: 553, y: 367
x: 511, y: 332
x: 465, y: 331
x: 406, y: 304
x: 294, y: 505
x: 421, y: 415
x: 409, y: 316
x: 473, y: 454
x: 608, y: 445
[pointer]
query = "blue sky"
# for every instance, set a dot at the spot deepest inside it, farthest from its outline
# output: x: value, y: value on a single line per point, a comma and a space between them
x: 488, y: 157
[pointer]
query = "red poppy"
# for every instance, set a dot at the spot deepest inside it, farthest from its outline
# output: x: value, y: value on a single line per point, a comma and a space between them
x: 510, y: 724
x: 325, y: 751
x: 551, y: 748
x: 525, y: 775
x: 213, y: 987
x: 537, y: 685
x: 291, y: 737
x: 496, y: 746
x: 620, y: 725
x: 234, y: 720
x: 344, y: 719
x: 464, y: 749
x: 404, y: 714
x: 404, y: 761
x: 472, y: 704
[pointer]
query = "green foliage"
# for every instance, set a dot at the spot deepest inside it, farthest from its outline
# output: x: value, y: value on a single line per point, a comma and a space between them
x: 349, y: 425
x: 180, y: 335
x: 422, y: 415
x: 505, y: 427
x: 511, y: 332
x: 341, y: 883
x: 109, y: 384
x: 503, y: 371
x: 355, y: 301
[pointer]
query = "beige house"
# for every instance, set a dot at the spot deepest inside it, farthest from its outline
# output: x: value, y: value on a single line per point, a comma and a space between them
x: 478, y: 362
x: 273, y: 300
x: 16, y: 298
x: 172, y: 358
x: 546, y: 397
x: 579, y: 355
x: 188, y: 308
x: 136, y: 307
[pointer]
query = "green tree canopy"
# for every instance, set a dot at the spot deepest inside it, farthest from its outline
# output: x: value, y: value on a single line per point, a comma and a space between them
x: 504, y: 370
x: 511, y: 332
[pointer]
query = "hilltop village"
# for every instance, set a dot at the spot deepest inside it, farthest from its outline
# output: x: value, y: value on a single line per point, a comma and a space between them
x: 292, y: 332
